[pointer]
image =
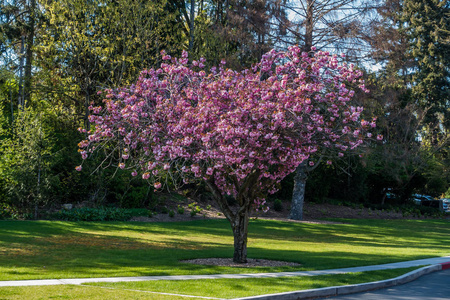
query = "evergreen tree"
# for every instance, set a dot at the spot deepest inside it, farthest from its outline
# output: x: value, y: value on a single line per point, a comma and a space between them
x: 427, y: 24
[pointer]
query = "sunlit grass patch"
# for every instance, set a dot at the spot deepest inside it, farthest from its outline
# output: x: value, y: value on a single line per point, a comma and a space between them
x: 42, y: 249
x: 73, y: 292
x: 233, y: 288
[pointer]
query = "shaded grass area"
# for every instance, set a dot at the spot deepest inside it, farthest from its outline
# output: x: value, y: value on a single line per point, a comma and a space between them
x: 217, y: 288
x: 49, y: 249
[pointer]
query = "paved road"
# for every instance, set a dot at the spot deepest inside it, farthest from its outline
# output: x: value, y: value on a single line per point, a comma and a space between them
x: 434, y: 286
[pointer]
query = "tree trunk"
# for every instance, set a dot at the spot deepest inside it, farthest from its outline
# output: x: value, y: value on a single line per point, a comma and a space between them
x: 191, y: 26
x: 29, y: 55
x: 238, y: 220
x: 21, y: 59
x: 240, y: 230
x: 309, y: 26
x: 298, y: 194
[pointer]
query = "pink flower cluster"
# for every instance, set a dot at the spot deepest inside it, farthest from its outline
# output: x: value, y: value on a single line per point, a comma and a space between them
x: 226, y: 125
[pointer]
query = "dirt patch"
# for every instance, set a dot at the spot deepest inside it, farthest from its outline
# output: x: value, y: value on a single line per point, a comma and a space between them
x: 312, y: 213
x: 228, y: 262
x: 208, y: 212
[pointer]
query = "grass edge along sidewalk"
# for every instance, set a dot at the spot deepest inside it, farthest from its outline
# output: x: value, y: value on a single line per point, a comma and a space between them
x: 77, y: 281
x: 354, y: 288
x: 163, y: 291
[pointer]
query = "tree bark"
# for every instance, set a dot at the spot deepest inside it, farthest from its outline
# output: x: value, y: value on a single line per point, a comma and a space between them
x: 191, y: 26
x: 240, y: 231
x: 21, y: 59
x: 29, y: 55
x: 298, y: 194
x: 309, y: 26
x: 238, y: 219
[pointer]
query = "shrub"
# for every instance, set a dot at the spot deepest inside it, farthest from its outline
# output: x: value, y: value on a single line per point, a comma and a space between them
x: 180, y: 210
x: 8, y: 212
x: 278, y: 205
x: 195, y: 209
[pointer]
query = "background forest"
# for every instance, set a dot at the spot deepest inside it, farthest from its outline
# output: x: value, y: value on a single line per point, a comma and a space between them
x: 55, y: 55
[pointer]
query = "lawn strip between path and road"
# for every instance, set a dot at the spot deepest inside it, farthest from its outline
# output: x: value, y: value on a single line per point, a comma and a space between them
x: 77, y: 292
x: 56, y: 250
x: 195, y: 289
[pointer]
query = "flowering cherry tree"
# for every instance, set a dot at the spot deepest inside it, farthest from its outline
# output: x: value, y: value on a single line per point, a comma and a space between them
x: 239, y: 132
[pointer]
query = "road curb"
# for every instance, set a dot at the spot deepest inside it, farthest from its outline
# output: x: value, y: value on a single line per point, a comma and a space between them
x: 351, y: 289
x: 445, y: 266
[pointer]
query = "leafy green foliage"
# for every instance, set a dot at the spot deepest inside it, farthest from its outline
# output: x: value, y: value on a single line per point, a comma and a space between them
x: 195, y: 209
x: 278, y: 205
x: 430, y: 48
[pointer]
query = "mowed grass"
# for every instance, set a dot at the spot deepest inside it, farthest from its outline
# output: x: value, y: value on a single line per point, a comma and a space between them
x: 49, y: 249
x: 234, y: 288
x: 74, y: 292
x: 173, y: 290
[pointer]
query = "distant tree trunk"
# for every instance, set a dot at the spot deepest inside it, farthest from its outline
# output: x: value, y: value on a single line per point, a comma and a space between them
x: 12, y: 103
x: 29, y: 55
x: 191, y: 26
x: 21, y: 58
x: 298, y: 194
x: 87, y: 102
x: 309, y: 26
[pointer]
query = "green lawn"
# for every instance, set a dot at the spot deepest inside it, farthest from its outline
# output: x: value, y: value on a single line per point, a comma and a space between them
x: 234, y: 288
x: 49, y: 249
x: 74, y: 292
x: 217, y: 288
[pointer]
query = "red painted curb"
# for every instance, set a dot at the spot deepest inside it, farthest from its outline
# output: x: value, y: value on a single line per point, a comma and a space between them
x: 445, y: 265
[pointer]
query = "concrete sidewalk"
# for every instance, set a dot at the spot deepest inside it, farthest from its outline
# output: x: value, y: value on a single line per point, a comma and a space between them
x: 405, y: 264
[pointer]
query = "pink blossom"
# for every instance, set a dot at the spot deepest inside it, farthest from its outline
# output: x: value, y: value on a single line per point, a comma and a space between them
x: 209, y: 171
x: 227, y: 125
x: 78, y: 168
x: 157, y: 185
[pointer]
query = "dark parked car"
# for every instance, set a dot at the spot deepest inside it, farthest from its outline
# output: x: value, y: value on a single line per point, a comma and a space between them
x: 425, y: 200
x: 446, y: 204
x: 423, y: 197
